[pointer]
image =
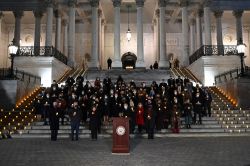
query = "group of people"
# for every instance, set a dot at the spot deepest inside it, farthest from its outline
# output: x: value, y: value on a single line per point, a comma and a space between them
x: 148, y: 107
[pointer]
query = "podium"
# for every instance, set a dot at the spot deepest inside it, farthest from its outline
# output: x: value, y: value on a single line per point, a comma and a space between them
x: 120, y: 135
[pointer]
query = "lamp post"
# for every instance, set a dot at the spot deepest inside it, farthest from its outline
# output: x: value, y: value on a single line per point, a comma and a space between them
x: 12, y: 50
x: 241, y: 51
x: 128, y: 34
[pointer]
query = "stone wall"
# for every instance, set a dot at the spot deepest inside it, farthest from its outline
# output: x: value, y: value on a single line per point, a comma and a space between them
x: 207, y: 67
x: 48, y: 68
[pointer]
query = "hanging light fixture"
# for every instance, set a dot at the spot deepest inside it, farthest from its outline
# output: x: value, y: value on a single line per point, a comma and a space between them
x: 128, y: 34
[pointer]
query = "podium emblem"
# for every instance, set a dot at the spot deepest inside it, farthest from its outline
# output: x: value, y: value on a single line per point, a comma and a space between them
x: 120, y: 130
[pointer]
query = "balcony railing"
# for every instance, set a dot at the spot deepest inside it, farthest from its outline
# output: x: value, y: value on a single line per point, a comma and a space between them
x: 45, y: 51
x: 213, y: 50
x: 5, y: 74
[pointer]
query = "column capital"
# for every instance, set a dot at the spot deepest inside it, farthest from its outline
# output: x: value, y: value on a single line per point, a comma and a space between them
x: 50, y: 3
x: 139, y: 3
x: 1, y: 15
x: 103, y: 22
x: 192, y: 21
x: 154, y: 22
x: 238, y: 13
x: 117, y: 3
x: 183, y: 3
x: 38, y: 13
x: 94, y: 3
x: 72, y: 3
x: 58, y: 13
x: 199, y: 12
x: 162, y: 3
x: 18, y: 13
x: 157, y: 13
x: 218, y: 13
x: 64, y: 22
x: 100, y: 13
x: 207, y: 3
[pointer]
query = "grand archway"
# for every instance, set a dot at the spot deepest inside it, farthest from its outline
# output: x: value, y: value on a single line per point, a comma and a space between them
x: 128, y: 60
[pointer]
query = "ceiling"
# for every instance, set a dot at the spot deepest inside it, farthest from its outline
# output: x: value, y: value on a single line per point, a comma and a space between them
x: 173, y: 12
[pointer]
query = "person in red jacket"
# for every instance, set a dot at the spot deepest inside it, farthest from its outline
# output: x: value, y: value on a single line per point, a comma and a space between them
x: 140, y: 117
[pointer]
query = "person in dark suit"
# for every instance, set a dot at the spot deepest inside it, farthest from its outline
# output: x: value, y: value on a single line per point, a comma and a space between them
x: 197, y: 104
x: 93, y: 122
x: 54, y: 120
x: 156, y: 66
x: 109, y: 61
x: 75, y: 116
x: 150, y: 119
x: 207, y: 102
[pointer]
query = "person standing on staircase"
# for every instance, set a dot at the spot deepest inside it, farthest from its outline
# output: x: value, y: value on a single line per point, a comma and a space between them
x: 197, y: 104
x: 93, y: 122
x: 109, y: 61
x: 75, y: 117
x: 54, y: 120
x: 207, y: 102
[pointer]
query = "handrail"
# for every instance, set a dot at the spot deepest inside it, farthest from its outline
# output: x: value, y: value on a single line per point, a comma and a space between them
x: 5, y: 74
x: 213, y: 50
x: 43, y: 51
x: 234, y: 73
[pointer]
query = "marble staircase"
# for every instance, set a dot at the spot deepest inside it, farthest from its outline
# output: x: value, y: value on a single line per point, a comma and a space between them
x: 138, y: 75
x: 226, y: 120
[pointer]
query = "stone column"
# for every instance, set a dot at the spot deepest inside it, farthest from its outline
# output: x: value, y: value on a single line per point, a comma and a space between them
x: 140, y: 46
x: 18, y: 15
x: 199, y: 14
x: 207, y: 23
x: 58, y: 15
x: 157, y: 15
x: 192, y: 36
x: 71, y: 33
x: 163, y: 63
x: 103, y: 41
x: 80, y: 62
x: 218, y: 14
x: 99, y: 37
x: 1, y: 16
x: 155, y: 39
x: 238, y: 16
x: 38, y: 15
x: 117, y: 43
x: 94, y: 48
x: 49, y: 24
x: 185, y: 33
x: 65, y: 37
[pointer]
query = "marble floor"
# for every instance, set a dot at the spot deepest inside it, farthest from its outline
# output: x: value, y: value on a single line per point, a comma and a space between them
x: 203, y: 151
